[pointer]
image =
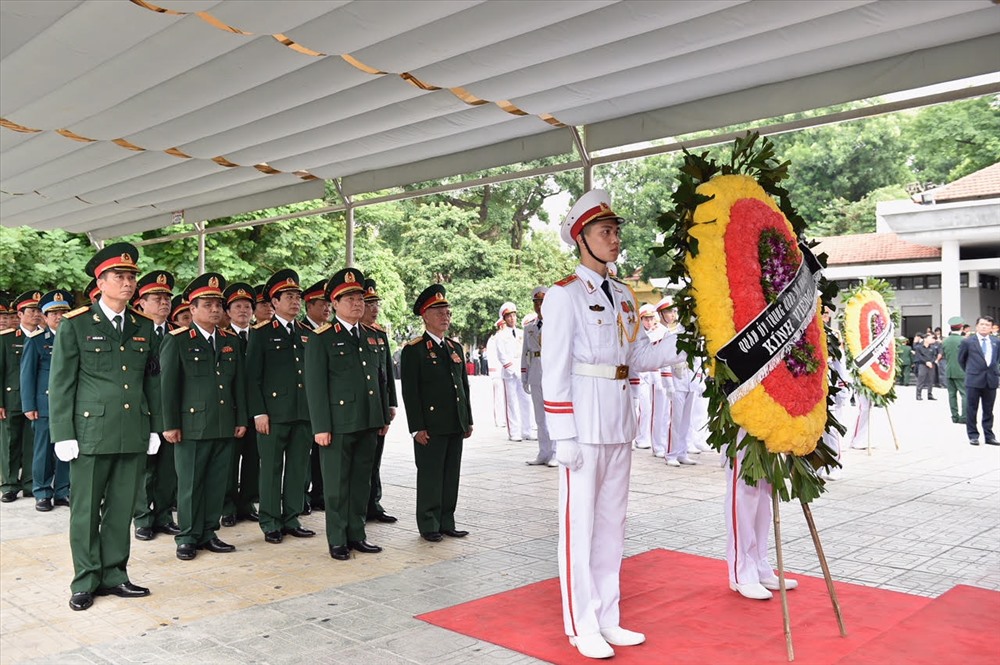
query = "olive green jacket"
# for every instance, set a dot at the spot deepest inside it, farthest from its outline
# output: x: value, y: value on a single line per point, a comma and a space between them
x: 949, y: 349
x: 275, y: 366
x: 12, y: 343
x: 435, y: 386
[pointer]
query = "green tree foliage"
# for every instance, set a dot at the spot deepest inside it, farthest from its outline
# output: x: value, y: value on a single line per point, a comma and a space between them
x: 43, y: 260
x: 954, y: 140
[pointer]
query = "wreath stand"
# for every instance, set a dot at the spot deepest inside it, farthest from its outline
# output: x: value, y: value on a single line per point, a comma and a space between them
x: 892, y: 427
x: 786, y: 616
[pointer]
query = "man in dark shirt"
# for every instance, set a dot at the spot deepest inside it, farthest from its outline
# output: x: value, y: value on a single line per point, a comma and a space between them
x: 925, y: 357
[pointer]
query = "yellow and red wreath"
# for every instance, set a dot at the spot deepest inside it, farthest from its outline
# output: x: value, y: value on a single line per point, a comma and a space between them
x: 866, y: 317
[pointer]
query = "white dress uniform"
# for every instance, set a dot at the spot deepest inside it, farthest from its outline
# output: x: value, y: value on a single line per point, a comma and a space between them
x: 698, y: 438
x: 518, y: 414
x: 681, y: 381
x: 832, y: 438
x: 642, y: 402
x: 859, y: 440
x: 660, y: 401
x: 531, y: 376
x: 499, y: 403
x: 589, y: 341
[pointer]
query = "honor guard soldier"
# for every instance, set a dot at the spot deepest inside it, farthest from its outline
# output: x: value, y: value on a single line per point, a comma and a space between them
x: 373, y: 305
x: 683, y: 387
x: 436, y: 397
x: 647, y: 390
x: 243, y: 484
x: 104, y: 419
x: 204, y: 409
x: 16, y: 438
x: 263, y: 310
x: 158, y: 492
x: 496, y: 377
x: 50, y: 483
x: 180, y: 311
x: 349, y: 406
x: 592, y: 342
x: 508, y: 350
x: 318, y: 310
x: 531, y: 379
x: 277, y: 398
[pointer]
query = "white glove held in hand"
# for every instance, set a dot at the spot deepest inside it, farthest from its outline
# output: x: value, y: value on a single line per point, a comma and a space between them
x: 154, y: 443
x: 67, y: 450
x: 569, y: 454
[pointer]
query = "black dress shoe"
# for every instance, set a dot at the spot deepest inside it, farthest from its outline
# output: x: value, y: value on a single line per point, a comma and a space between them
x: 307, y: 509
x: 992, y: 442
x: 229, y: 520
x: 385, y: 518
x: 363, y: 546
x: 81, y: 600
x: 932, y: 398
x: 273, y: 537
x: 170, y: 528
x: 299, y: 532
x: 217, y: 546
x: 45, y: 505
x: 340, y: 552
x: 8, y: 497
x: 455, y: 533
x: 124, y: 590
x: 61, y: 502
x: 144, y: 533
x: 186, y: 551
x: 432, y: 536
x: 973, y: 442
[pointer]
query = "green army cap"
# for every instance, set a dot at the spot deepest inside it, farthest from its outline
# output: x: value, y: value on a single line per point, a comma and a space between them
x: 26, y: 300
x: 209, y: 285
x: 344, y: 281
x: 92, y: 291
x: 371, y: 291
x: 283, y: 280
x: 432, y: 296
x: 119, y: 256
x: 956, y: 322
x: 315, y: 292
x: 238, y: 291
x: 56, y: 300
x: 259, y: 290
x: 156, y: 281
x: 178, y: 305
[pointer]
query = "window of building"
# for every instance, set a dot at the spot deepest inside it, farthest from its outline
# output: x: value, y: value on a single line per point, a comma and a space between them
x: 963, y: 279
x: 933, y: 281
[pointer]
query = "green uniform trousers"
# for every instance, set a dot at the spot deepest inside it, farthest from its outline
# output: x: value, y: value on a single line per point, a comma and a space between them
x: 158, y: 492
x: 956, y: 387
x: 284, y: 463
x: 101, y: 506
x: 243, y: 484
x: 202, y: 469
x: 375, y: 495
x: 347, y: 471
x: 439, y: 465
x: 17, y: 448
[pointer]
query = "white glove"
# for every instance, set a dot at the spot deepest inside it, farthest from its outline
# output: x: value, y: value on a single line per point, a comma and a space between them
x: 154, y: 443
x: 569, y: 454
x: 67, y: 450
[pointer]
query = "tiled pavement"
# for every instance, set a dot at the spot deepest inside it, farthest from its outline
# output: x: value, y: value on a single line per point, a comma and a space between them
x: 918, y: 520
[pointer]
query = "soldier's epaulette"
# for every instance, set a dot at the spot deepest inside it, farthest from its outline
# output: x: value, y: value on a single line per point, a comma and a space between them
x: 76, y: 312
x: 36, y: 332
x: 142, y: 314
x: 225, y: 333
x: 322, y: 329
x: 377, y: 327
x: 7, y: 331
x: 567, y: 280
x: 261, y: 324
x: 414, y: 341
x: 178, y: 331
x: 454, y: 342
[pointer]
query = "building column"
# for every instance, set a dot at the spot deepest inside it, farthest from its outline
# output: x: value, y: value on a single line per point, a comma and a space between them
x: 951, y: 290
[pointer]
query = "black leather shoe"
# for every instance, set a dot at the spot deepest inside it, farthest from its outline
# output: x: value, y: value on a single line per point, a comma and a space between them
x: 124, y: 590
x: 932, y: 398
x: 340, y: 552
x: 170, y: 528
x: 973, y: 442
x: 61, y: 502
x: 217, y: 546
x: 81, y: 600
x: 252, y: 516
x: 299, y: 532
x: 432, y: 536
x: 186, y: 551
x: 385, y: 518
x: 229, y: 520
x: 318, y: 505
x: 307, y: 509
x: 363, y: 546
x: 992, y: 442
x: 273, y: 537
x: 455, y: 533
x: 45, y: 505
x: 144, y: 533
x: 8, y: 497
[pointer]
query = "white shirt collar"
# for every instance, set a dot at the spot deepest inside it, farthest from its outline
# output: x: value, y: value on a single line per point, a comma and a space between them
x: 204, y: 333
x: 237, y: 329
x: 110, y: 313
x: 435, y: 337
x: 347, y: 325
x: 284, y: 324
x: 314, y: 324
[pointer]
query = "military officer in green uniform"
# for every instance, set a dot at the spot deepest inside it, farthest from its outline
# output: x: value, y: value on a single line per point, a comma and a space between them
x: 318, y: 310
x: 204, y: 409
x: 16, y: 438
x: 373, y: 305
x: 104, y: 419
x: 243, y: 484
x: 93, y: 293
x: 158, y: 492
x: 50, y: 476
x: 277, y: 401
x: 436, y: 397
x: 263, y: 310
x: 180, y: 311
x: 954, y: 374
x: 8, y: 319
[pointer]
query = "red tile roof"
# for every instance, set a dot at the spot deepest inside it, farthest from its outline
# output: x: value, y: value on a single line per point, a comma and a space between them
x: 983, y: 184
x: 873, y: 248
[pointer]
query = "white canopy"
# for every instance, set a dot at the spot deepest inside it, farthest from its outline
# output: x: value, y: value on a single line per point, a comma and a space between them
x: 113, y: 115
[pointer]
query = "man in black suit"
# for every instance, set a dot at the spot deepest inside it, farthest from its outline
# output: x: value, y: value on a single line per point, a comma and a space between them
x: 978, y: 357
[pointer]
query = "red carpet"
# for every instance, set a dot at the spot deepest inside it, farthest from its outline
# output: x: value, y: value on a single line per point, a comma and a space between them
x: 684, y: 606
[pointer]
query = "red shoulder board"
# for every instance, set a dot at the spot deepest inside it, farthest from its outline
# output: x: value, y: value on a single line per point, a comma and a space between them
x: 566, y: 280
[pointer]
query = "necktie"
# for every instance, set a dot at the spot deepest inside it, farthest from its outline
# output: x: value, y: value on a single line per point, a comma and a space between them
x: 607, y: 291
x: 291, y: 330
x: 159, y: 332
x: 211, y: 342
x: 354, y: 333
x: 539, y: 324
x: 117, y: 322
x: 513, y: 331
x: 243, y: 335
x: 982, y: 345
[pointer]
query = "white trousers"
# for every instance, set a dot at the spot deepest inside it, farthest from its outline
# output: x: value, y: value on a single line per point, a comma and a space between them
x: 499, y: 401
x: 681, y: 410
x: 832, y: 438
x: 643, y: 400
x: 545, y: 448
x: 748, y: 527
x: 592, y: 506
x: 860, y: 437
x: 662, y: 405
x: 699, y: 419
x: 518, y: 412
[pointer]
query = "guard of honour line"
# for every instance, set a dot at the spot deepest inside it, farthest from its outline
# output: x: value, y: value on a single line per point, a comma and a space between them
x: 223, y: 395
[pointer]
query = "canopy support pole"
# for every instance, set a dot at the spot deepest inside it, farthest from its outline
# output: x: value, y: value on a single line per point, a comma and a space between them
x: 200, y: 228
x: 588, y: 164
x: 349, y: 231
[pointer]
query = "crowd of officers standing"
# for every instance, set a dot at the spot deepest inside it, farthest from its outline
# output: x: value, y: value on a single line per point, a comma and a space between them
x: 208, y: 399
